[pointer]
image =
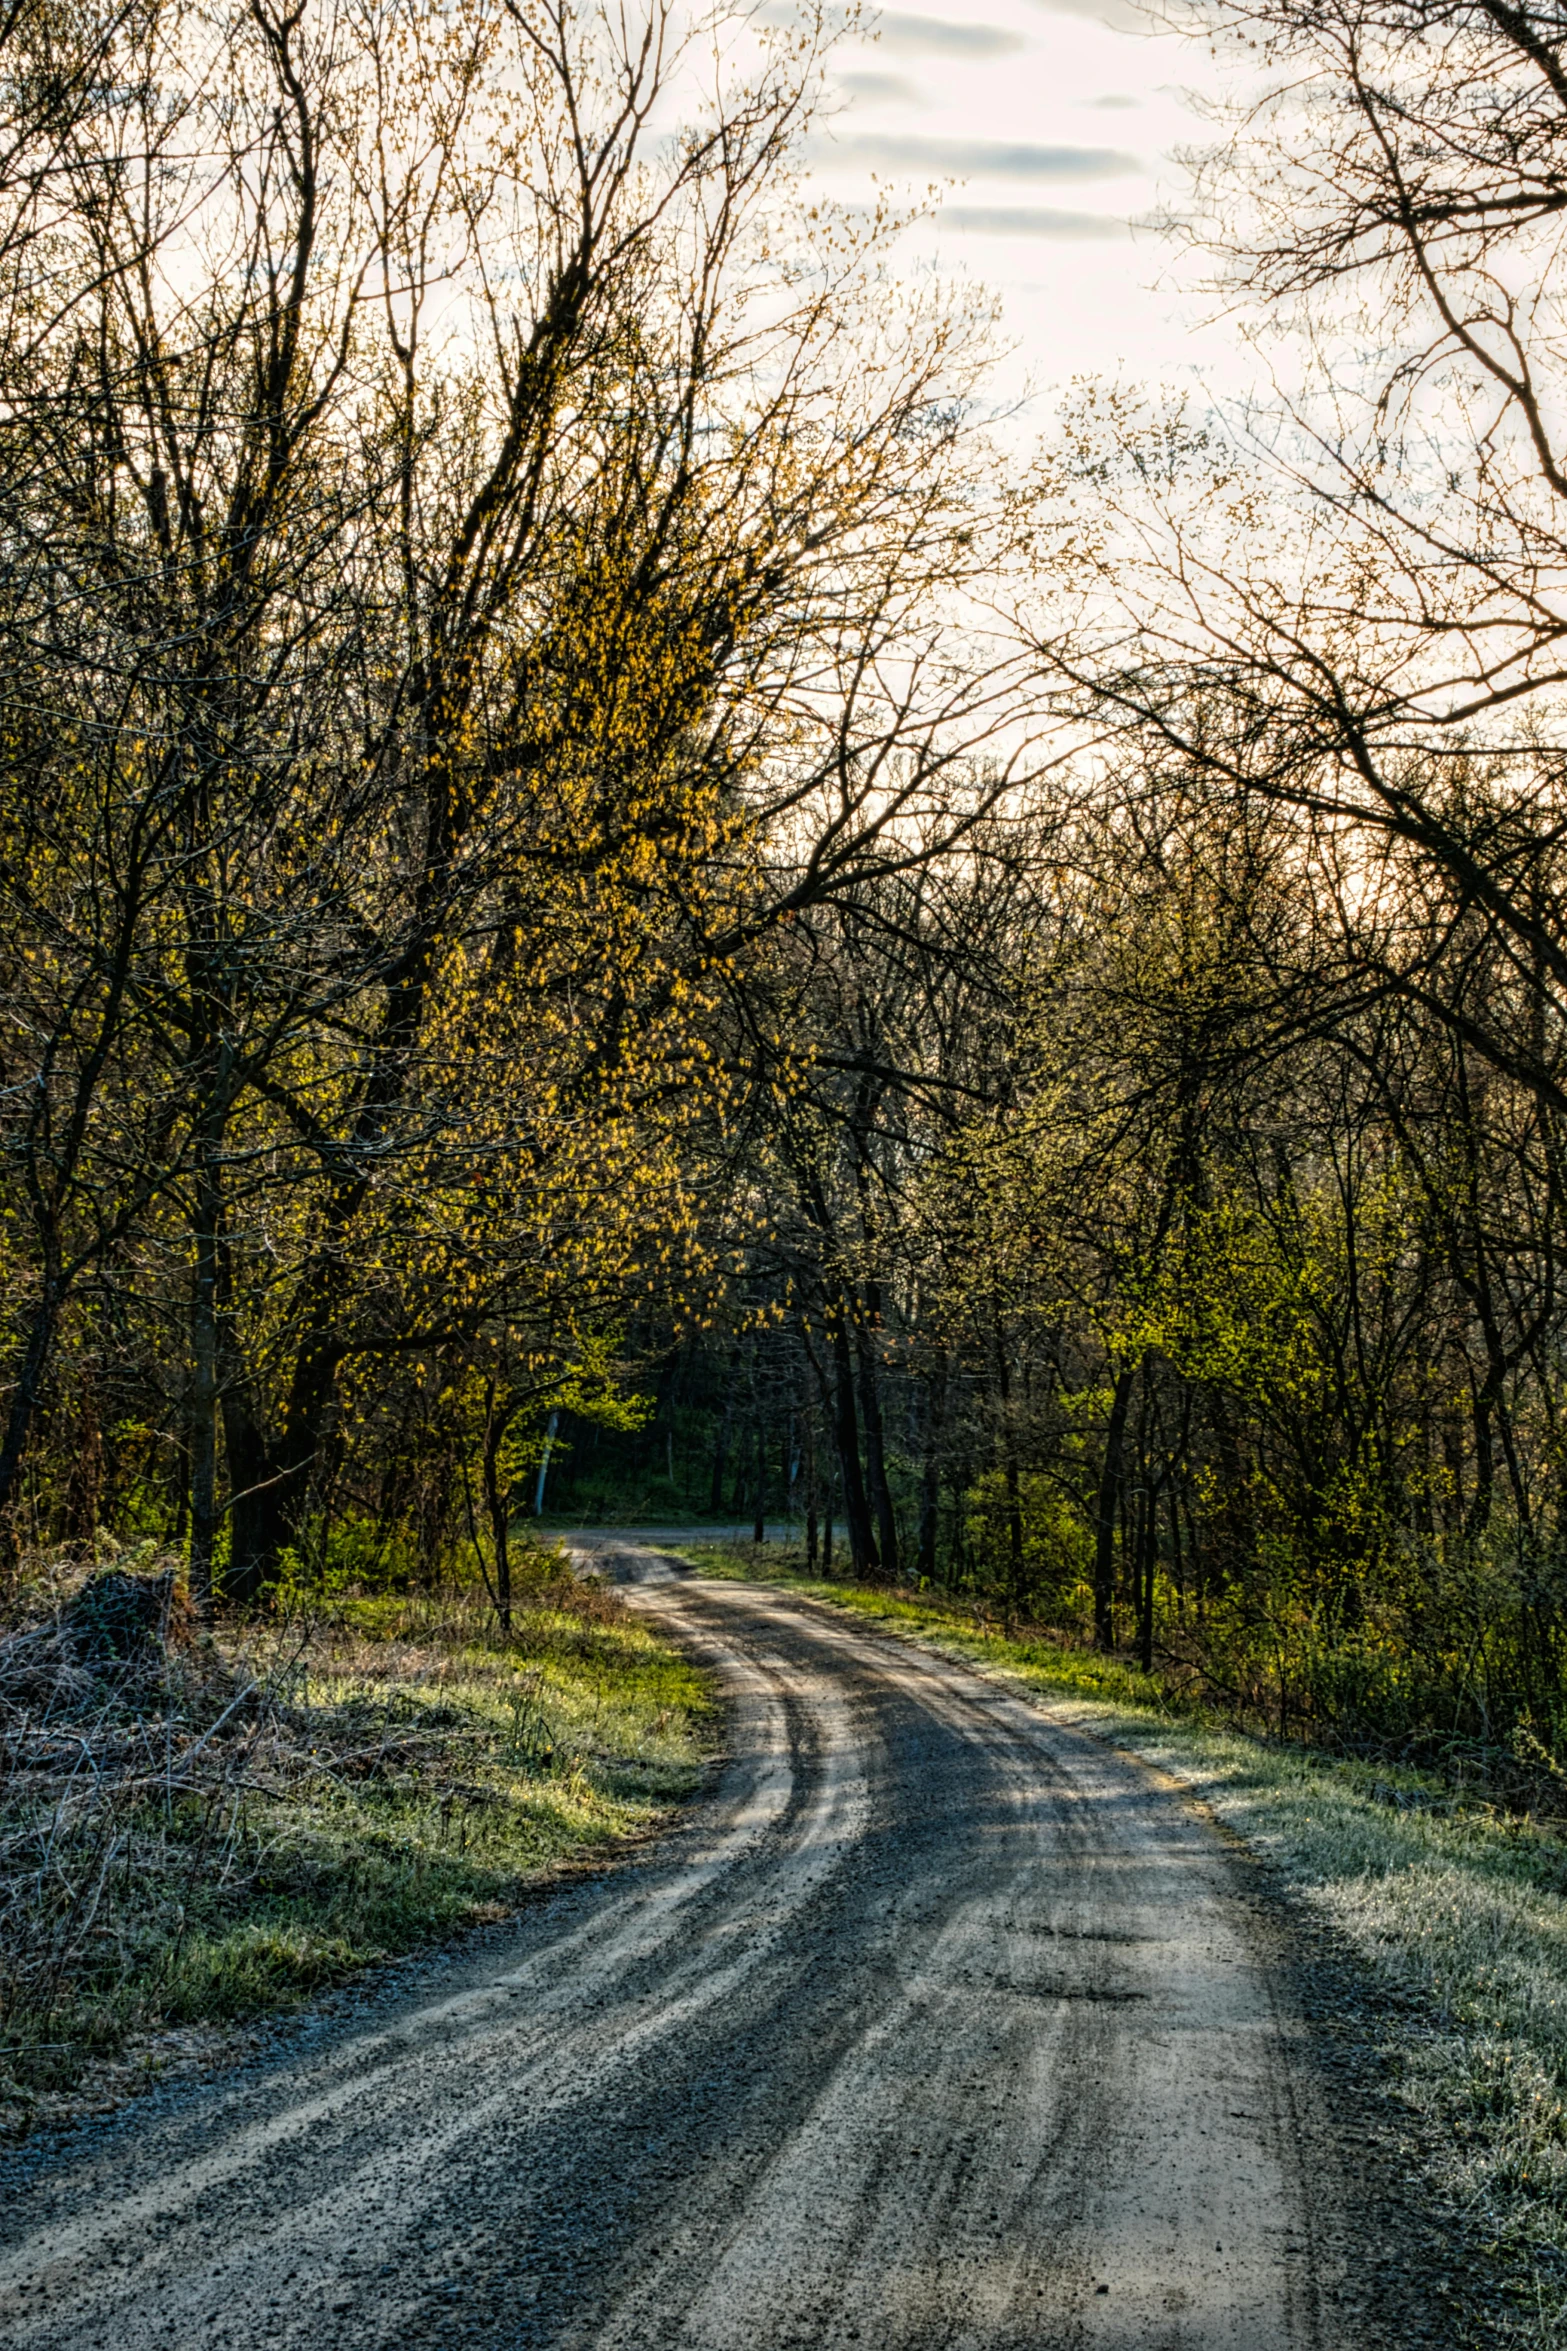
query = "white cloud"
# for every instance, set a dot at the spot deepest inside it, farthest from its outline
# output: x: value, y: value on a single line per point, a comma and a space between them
x: 976, y: 158
x: 885, y: 89
x: 1003, y: 220
x: 911, y: 36
x: 1117, y: 16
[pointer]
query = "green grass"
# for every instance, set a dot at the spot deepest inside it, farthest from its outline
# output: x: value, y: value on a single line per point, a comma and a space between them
x: 1458, y: 1907
x: 403, y: 1775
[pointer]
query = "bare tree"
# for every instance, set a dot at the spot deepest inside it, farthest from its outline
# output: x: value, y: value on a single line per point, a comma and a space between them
x: 1337, y: 594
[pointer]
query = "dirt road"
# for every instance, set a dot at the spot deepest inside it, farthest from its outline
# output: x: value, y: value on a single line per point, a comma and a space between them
x: 941, y: 2025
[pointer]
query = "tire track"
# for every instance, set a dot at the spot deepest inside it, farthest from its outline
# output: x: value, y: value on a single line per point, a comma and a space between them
x: 942, y: 2025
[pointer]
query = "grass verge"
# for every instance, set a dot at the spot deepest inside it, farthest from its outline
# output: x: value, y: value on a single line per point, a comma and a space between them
x: 1456, y: 1907
x: 251, y: 1820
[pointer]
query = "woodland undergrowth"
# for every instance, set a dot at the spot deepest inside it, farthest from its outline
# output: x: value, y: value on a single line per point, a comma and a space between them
x: 201, y: 1827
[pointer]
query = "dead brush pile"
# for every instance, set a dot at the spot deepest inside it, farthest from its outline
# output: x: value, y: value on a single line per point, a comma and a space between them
x: 196, y: 1827
x: 99, y: 1705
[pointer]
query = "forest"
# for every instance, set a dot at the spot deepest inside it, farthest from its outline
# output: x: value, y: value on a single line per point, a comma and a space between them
x: 615, y: 890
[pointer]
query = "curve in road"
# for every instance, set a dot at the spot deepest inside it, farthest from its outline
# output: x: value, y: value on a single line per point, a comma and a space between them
x: 941, y: 2024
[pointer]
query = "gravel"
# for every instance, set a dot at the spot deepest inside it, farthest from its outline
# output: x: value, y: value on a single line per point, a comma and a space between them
x: 940, y: 2023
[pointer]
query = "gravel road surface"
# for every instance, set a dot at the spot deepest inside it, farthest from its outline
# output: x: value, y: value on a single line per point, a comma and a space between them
x: 939, y: 2024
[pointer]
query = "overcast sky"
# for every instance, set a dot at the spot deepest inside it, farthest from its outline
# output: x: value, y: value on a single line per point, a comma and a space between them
x: 1059, y: 118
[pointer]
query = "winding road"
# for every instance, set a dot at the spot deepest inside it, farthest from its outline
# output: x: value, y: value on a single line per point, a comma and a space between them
x: 940, y: 2024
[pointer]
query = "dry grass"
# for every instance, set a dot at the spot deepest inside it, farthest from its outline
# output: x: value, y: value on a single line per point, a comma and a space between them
x: 211, y: 1827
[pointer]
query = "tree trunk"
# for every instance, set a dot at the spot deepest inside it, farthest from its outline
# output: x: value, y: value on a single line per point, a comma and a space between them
x: 550, y: 1428
x: 1147, y: 1561
x: 1177, y: 1561
x: 1009, y: 1472
x: 856, y: 1511
x: 721, y: 1454
x: 759, y: 1525
x: 257, y: 1529
x: 875, y: 1452
x: 808, y: 1440
x: 498, y: 1499
x: 1104, y: 1538
x: 204, y: 1385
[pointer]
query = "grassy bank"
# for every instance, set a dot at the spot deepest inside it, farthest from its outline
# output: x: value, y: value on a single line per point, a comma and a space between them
x: 1458, y: 1907
x: 230, y: 1826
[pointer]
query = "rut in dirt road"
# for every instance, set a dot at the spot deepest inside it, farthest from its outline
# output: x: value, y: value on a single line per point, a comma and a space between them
x: 942, y: 2025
